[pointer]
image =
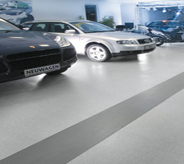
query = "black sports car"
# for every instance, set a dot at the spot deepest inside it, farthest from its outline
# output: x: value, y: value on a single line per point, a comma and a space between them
x: 27, y: 53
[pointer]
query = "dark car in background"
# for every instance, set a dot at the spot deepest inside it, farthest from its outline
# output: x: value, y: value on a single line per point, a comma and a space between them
x: 164, y: 25
x: 28, y: 53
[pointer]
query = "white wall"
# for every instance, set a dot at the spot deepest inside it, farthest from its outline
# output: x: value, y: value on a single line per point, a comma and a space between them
x: 128, y: 12
x: 71, y: 9
x: 110, y: 9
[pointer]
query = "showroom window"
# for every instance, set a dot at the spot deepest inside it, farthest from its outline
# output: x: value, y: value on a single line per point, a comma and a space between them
x: 91, y: 13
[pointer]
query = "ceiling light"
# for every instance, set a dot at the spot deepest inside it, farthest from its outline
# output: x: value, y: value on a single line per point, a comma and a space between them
x: 164, y: 10
x: 154, y: 9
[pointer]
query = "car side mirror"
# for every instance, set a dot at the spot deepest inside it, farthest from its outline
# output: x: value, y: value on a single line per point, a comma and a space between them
x: 71, y: 31
x: 25, y: 28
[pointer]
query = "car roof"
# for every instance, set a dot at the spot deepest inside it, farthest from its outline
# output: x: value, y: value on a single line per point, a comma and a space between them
x: 37, y: 21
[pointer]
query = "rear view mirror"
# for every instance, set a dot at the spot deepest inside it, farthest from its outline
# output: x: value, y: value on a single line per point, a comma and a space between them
x: 71, y: 31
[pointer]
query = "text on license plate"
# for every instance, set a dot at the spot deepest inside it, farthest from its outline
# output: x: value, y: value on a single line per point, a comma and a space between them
x: 39, y: 70
x: 148, y: 47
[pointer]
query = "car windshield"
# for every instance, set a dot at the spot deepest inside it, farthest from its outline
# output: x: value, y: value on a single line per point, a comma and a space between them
x: 5, y: 26
x: 175, y: 24
x: 91, y: 27
x: 155, y: 24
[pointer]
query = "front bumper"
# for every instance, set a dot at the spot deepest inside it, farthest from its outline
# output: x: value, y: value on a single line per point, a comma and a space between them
x: 69, y: 56
x: 126, y: 50
x: 9, y: 73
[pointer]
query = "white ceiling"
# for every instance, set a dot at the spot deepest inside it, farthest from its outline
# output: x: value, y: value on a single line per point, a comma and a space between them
x: 154, y: 3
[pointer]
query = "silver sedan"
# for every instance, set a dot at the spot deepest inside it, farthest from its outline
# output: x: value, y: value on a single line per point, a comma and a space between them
x: 97, y: 41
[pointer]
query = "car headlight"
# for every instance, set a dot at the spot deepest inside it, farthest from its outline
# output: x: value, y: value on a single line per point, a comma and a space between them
x: 157, y: 32
x: 10, y: 20
x: 63, y: 42
x: 127, y: 42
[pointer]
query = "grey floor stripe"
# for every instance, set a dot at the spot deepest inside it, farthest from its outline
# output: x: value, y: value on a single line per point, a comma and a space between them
x: 70, y: 143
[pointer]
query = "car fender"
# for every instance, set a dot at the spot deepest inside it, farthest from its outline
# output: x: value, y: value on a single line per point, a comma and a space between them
x: 157, y: 35
x: 162, y: 36
x: 107, y: 44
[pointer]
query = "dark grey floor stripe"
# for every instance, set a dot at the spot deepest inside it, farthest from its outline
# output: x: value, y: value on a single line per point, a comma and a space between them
x: 70, y: 143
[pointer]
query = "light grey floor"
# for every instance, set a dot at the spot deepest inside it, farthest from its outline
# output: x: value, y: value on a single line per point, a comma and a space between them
x: 35, y: 108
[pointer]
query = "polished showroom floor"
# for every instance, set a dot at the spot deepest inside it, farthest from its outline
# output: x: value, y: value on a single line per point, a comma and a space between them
x: 126, y: 111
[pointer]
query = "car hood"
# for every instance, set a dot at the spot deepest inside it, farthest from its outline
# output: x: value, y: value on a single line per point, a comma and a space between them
x: 24, y: 41
x: 117, y: 35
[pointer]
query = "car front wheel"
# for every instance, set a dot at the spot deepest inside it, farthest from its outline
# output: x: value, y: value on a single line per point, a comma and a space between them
x: 98, y: 53
x: 159, y: 40
x: 58, y: 71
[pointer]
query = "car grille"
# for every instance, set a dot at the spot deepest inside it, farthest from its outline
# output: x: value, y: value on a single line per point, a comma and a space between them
x: 34, y: 59
x: 3, y: 68
x: 32, y: 54
x: 68, y: 54
x: 145, y: 41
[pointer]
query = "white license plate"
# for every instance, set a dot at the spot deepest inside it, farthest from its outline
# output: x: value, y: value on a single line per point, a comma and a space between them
x: 39, y: 70
x: 148, y: 47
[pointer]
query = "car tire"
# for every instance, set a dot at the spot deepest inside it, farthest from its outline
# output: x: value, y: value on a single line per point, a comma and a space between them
x: 160, y: 40
x: 58, y: 71
x: 30, y: 17
x: 99, y: 53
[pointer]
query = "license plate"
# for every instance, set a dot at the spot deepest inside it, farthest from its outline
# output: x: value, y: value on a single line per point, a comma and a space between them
x: 148, y: 47
x: 39, y: 70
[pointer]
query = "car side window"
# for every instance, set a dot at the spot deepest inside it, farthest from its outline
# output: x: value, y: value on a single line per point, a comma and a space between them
x: 60, y: 27
x: 158, y: 23
x: 40, y: 27
x: 68, y: 27
x: 155, y: 24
